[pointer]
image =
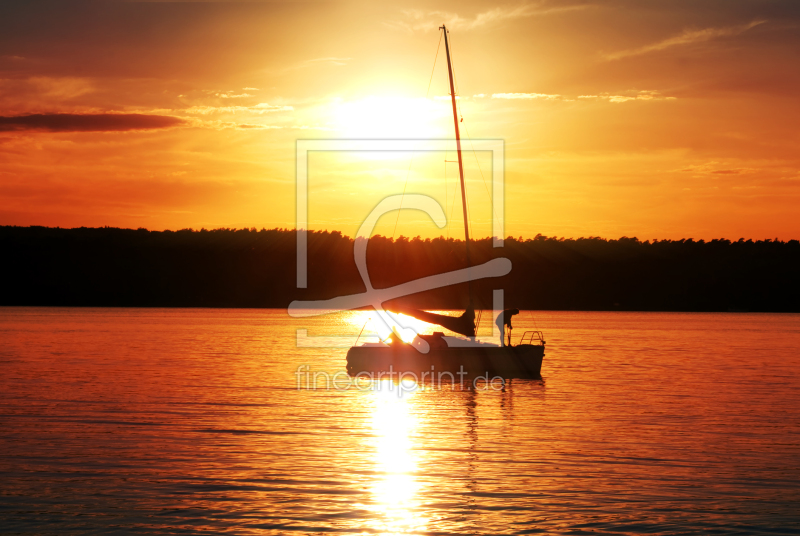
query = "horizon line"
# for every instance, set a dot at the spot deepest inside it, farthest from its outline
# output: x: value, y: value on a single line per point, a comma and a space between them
x: 520, y: 238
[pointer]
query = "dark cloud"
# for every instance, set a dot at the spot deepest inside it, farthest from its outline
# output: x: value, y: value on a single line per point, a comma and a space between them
x: 88, y: 122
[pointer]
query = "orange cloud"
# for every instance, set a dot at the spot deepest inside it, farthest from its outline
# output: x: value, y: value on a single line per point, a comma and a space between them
x: 420, y: 20
x: 685, y: 38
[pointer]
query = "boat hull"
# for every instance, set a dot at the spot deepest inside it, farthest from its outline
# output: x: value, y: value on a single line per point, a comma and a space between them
x: 522, y: 361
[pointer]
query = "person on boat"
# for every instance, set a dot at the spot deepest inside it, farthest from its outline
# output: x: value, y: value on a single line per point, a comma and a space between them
x: 503, y: 320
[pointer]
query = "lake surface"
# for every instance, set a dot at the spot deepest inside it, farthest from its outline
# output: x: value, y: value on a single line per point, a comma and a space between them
x: 190, y: 421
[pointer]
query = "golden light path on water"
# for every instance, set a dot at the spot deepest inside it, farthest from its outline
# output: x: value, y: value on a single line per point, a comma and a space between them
x: 395, y: 492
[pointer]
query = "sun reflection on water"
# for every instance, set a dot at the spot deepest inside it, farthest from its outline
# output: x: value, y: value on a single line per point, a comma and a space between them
x: 396, y: 490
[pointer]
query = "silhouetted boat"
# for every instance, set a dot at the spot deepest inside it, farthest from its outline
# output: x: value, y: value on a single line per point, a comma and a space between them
x: 454, y: 356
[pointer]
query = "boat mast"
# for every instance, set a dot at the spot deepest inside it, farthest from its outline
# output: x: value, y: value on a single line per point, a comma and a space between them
x: 458, y: 147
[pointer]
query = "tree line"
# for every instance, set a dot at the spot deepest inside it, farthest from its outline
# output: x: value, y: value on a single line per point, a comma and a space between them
x: 257, y: 268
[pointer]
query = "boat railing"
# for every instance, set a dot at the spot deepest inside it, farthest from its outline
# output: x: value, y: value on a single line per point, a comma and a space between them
x: 532, y: 337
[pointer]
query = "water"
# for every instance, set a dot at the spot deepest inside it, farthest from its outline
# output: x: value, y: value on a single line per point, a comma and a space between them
x: 189, y: 421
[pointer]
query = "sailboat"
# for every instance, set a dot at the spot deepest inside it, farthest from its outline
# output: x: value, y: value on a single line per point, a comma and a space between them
x: 447, y: 354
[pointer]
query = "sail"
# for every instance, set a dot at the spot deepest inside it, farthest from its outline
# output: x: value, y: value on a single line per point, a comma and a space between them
x: 463, y: 325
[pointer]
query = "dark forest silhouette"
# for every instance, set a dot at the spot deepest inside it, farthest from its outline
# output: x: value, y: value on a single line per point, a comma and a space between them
x: 249, y: 268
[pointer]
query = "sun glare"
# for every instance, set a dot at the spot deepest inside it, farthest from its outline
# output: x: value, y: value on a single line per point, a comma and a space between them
x: 407, y: 326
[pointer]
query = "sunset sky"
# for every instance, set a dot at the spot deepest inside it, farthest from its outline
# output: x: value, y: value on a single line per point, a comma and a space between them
x: 670, y: 119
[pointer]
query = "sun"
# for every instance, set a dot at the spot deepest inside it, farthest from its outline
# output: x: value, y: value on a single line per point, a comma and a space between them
x: 386, y: 117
